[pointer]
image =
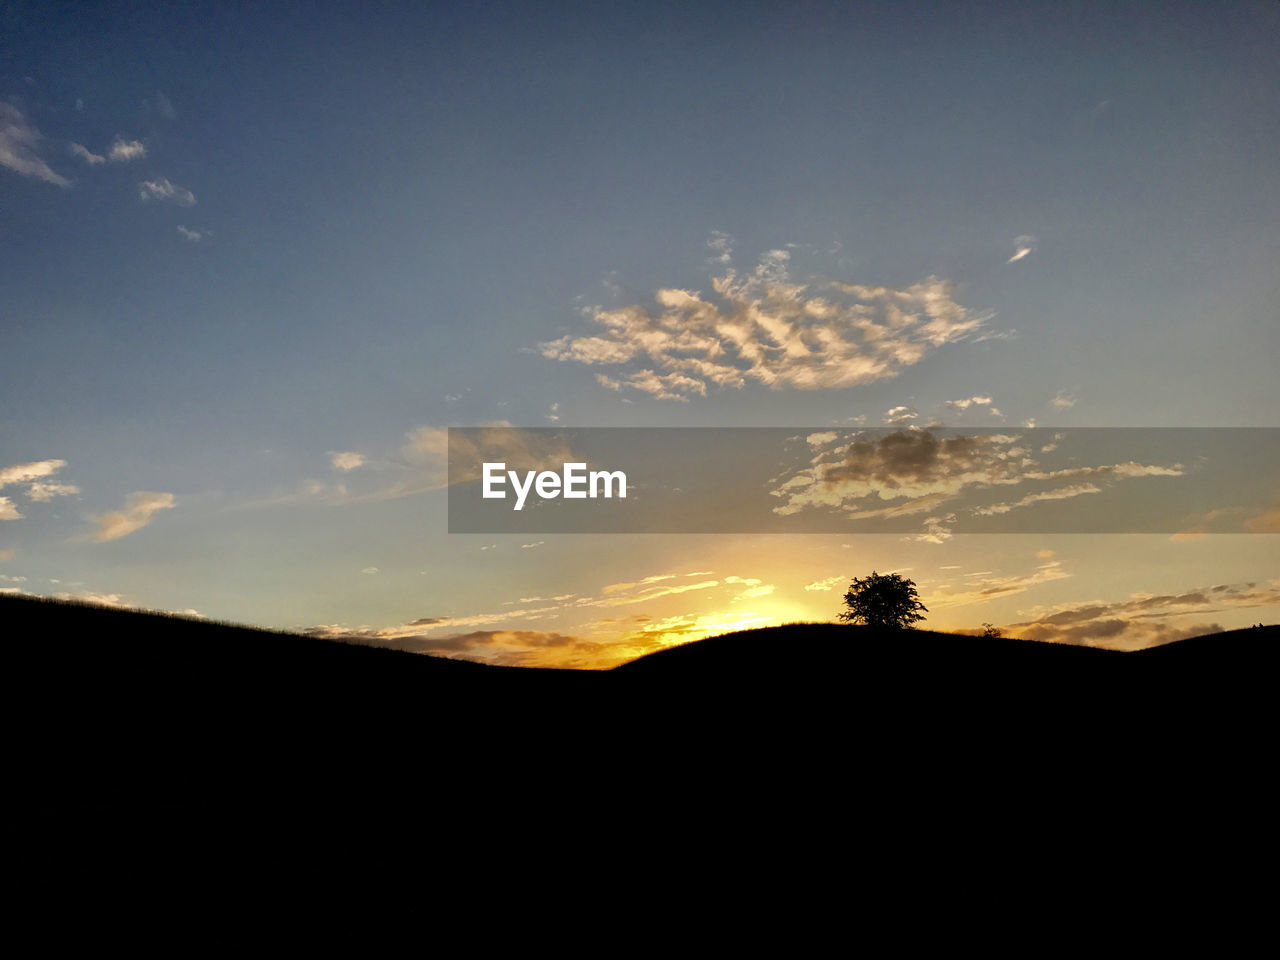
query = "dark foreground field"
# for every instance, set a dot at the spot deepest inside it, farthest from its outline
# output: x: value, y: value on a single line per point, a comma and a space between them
x: 140, y: 742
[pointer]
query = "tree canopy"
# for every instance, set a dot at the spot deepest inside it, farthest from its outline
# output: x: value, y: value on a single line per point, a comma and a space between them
x: 883, y: 600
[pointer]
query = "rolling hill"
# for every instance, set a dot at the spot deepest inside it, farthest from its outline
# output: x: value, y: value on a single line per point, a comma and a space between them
x: 147, y: 744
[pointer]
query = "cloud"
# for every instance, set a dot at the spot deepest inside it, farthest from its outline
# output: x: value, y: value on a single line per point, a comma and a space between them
x: 164, y: 106
x: 43, y: 492
x: 138, y: 510
x: 982, y: 587
x: 935, y: 530
x: 162, y: 189
x: 1063, y: 401
x: 1022, y: 247
x: 347, y: 460
x: 195, y: 236
x: 1266, y: 522
x: 8, y: 511
x: 761, y: 327
x: 631, y: 584
x: 1142, y: 620
x: 370, y: 571
x: 18, y: 140
x: 1062, y: 493
x: 99, y: 599
x: 506, y: 638
x: 31, y: 475
x: 828, y: 584
x: 122, y: 151
x: 969, y: 402
x: 924, y: 471
x: 26, y: 472
x: 900, y: 416
x: 91, y: 158
x: 8, y: 554
x: 721, y: 245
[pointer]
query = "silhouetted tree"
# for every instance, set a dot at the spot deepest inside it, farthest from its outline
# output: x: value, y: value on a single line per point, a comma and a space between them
x: 991, y: 630
x: 883, y: 601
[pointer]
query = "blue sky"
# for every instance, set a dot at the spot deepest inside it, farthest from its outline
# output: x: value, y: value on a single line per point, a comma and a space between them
x: 238, y: 243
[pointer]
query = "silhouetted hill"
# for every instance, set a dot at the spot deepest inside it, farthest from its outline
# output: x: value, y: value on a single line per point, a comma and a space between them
x: 146, y: 742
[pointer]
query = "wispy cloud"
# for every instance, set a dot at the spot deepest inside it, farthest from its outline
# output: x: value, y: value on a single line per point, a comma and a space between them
x: 982, y: 587
x: 1022, y: 247
x: 18, y: 142
x: 1063, y: 401
x: 43, y: 492
x: 162, y: 189
x: 87, y: 155
x: 511, y: 640
x: 828, y: 584
x: 164, y: 106
x: 920, y: 471
x: 8, y: 511
x: 195, y: 236
x: 767, y: 329
x: 138, y: 510
x: 721, y: 245
x: 1062, y: 493
x: 1142, y: 620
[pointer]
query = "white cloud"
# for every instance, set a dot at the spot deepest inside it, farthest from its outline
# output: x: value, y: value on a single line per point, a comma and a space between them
x: 1022, y: 247
x: 32, y: 476
x: 91, y: 158
x: 8, y: 511
x: 122, y: 151
x: 769, y: 330
x: 1063, y: 401
x: 346, y: 460
x: 18, y: 140
x: 162, y: 189
x: 195, y: 236
x: 138, y: 510
x: 828, y: 584
x: 369, y: 570
x: 721, y: 245
x: 900, y: 416
x: 43, y: 492
x: 969, y: 402
x: 27, y: 472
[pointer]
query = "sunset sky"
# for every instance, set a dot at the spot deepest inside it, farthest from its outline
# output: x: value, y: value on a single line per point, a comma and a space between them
x: 255, y: 259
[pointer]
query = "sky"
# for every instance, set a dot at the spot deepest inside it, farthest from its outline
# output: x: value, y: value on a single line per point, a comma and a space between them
x: 255, y: 260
